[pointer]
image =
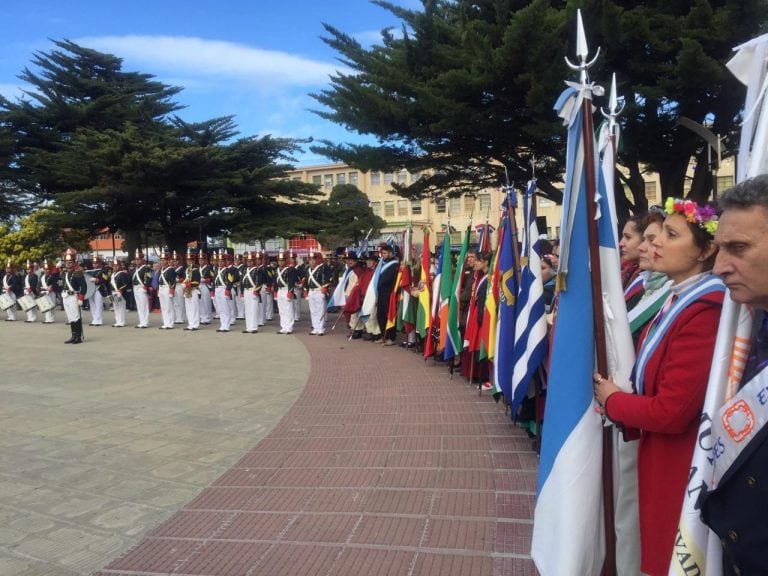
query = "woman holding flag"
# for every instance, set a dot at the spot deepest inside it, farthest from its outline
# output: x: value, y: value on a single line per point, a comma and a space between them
x: 670, y: 375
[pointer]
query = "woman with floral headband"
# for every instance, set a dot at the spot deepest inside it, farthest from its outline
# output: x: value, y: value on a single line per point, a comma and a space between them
x: 670, y: 375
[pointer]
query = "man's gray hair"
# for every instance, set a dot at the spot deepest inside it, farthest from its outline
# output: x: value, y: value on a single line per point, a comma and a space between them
x: 751, y: 192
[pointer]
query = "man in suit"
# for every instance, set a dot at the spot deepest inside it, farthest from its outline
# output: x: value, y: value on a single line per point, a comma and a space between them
x: 737, y: 508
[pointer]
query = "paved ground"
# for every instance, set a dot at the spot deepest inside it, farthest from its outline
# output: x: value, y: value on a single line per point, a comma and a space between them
x: 381, y: 466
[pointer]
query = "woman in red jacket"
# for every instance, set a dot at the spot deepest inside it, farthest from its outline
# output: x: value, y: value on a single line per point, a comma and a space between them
x: 670, y: 375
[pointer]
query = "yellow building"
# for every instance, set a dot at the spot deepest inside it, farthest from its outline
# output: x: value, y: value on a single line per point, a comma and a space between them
x: 472, y: 209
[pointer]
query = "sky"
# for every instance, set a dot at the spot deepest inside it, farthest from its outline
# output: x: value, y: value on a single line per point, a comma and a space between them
x: 257, y: 60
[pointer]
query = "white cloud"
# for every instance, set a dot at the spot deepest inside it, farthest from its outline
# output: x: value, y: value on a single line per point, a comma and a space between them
x: 189, y: 56
x: 11, y: 91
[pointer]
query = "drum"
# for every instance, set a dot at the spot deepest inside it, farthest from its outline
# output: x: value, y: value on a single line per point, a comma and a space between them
x: 6, y: 301
x: 44, y: 304
x: 27, y: 302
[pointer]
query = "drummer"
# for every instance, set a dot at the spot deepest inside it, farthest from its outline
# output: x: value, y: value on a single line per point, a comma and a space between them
x: 120, y: 284
x: 48, y: 283
x: 11, y: 290
x: 30, y: 289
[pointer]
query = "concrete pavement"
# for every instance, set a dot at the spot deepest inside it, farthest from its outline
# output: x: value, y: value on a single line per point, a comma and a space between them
x: 103, y: 441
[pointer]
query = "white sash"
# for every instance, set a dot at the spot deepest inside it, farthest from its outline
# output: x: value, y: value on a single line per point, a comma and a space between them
x: 163, y: 279
x: 311, y: 278
x: 708, y: 284
x: 738, y: 421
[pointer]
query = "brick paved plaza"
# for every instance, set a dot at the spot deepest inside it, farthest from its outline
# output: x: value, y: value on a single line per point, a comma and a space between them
x: 149, y: 452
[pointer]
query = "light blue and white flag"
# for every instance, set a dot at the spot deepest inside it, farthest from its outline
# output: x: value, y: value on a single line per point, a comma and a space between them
x: 568, y: 533
x: 339, y: 295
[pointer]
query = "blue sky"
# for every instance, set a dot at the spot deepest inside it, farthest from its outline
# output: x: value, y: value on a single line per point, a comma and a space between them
x: 257, y: 60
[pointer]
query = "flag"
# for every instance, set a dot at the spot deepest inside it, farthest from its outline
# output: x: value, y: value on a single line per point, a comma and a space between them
x: 531, y: 323
x: 424, y: 311
x: 453, y: 341
x: 503, y: 364
x: 568, y: 533
x: 487, y: 333
x: 339, y: 296
x: 434, y: 300
x: 446, y: 286
x: 371, y: 294
x: 620, y: 350
x: 695, y: 542
x: 471, y: 331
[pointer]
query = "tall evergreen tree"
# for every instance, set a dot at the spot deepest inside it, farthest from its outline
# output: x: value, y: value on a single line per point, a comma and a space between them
x: 467, y: 88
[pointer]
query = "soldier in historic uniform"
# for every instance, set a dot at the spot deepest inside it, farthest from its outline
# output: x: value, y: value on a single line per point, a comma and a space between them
x: 238, y: 290
x: 73, y: 295
x: 179, y: 307
x: 191, y: 292
x: 119, y: 285
x: 286, y: 279
x: 261, y: 277
x: 167, y: 291
x: 100, y: 276
x: 270, y: 291
x: 31, y: 281
x: 142, y: 286
x: 49, y: 281
x: 319, y: 280
x: 251, y: 285
x: 226, y: 278
x: 207, y: 276
x: 301, y: 280
x: 11, y: 287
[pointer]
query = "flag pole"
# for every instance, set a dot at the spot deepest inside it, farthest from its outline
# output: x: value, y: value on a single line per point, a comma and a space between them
x: 609, y: 565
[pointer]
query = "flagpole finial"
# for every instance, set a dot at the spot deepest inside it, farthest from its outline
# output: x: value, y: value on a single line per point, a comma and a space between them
x: 582, y: 51
x: 614, y: 109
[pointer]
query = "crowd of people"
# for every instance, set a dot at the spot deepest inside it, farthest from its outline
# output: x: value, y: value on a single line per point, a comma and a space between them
x: 677, y: 262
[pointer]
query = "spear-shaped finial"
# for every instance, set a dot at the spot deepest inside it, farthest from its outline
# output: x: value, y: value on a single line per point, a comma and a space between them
x: 582, y: 51
x: 614, y: 109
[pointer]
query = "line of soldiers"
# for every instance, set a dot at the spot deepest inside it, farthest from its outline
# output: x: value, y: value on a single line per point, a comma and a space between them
x: 195, y: 290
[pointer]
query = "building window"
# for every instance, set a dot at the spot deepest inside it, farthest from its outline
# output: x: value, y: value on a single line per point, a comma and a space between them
x: 650, y: 191
x: 353, y: 178
x: 485, y: 202
x: 402, y: 207
x: 402, y: 177
x: 317, y: 180
x: 724, y: 182
x: 469, y: 204
x: 389, y: 208
x: 440, y: 203
x: 341, y: 178
x: 375, y: 178
x: 455, y: 206
x: 416, y: 207
x: 376, y: 208
x: 329, y: 180
x: 387, y: 177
